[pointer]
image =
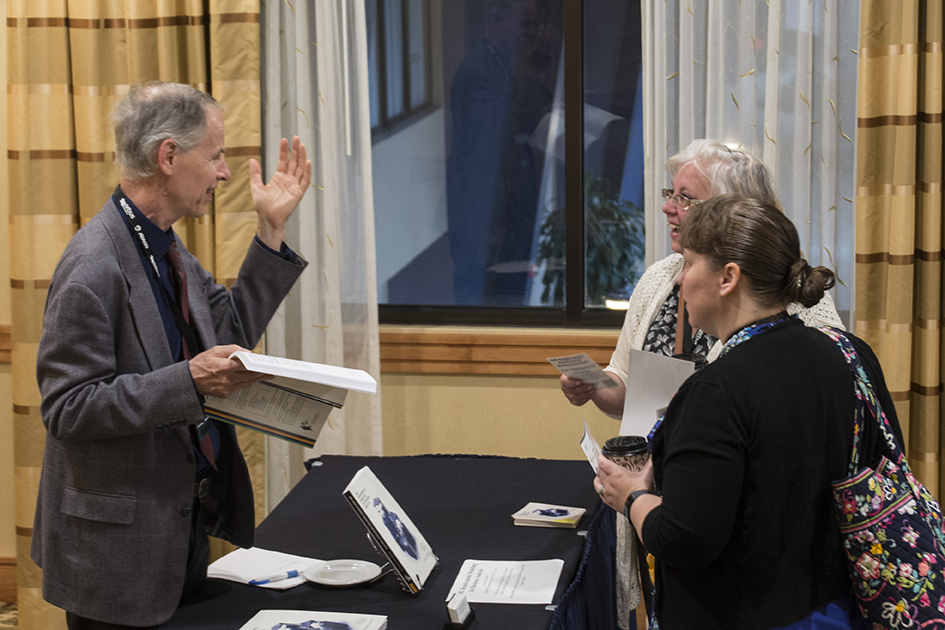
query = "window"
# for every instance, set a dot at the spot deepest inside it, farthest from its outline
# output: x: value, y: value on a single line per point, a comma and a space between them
x: 398, y: 34
x: 517, y: 198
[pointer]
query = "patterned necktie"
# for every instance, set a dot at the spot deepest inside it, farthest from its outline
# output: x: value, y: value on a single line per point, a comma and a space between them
x: 173, y: 256
x: 180, y: 283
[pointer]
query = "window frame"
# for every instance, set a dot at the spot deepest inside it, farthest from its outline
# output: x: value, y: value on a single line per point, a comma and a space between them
x: 386, y: 125
x: 574, y: 314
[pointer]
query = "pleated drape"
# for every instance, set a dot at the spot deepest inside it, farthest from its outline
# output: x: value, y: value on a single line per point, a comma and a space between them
x: 316, y: 86
x: 774, y: 77
x: 899, y: 297
x: 68, y: 62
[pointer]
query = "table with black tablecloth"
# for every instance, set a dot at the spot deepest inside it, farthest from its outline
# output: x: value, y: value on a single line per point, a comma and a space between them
x: 463, y: 507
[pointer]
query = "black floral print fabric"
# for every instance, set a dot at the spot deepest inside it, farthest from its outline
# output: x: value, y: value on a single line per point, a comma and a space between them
x: 661, y: 336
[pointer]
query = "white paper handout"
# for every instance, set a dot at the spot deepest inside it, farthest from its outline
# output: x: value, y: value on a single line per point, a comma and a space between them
x: 293, y: 405
x: 290, y: 619
x: 583, y: 368
x: 652, y: 379
x: 391, y: 529
x: 508, y: 582
x: 591, y: 448
x: 245, y: 565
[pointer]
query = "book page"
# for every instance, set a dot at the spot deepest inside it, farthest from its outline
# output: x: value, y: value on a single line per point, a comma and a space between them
x: 272, y: 410
x: 333, y: 376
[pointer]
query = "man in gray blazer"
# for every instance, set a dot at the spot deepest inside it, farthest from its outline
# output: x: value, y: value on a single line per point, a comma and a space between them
x: 135, y: 334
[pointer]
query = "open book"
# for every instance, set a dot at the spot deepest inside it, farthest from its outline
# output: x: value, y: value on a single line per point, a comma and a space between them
x: 391, y: 529
x: 295, y: 404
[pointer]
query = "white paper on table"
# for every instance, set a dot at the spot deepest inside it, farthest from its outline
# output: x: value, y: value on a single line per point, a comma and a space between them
x: 591, y: 448
x: 652, y: 379
x: 507, y: 582
x: 244, y: 565
x: 583, y: 368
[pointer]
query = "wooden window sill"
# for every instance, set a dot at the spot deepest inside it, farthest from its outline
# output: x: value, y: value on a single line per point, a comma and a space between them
x: 465, y: 350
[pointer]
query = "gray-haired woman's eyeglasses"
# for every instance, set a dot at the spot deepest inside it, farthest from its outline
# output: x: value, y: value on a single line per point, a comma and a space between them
x: 682, y: 202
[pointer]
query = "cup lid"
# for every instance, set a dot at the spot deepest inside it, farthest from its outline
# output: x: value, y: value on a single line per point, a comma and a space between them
x: 624, y: 446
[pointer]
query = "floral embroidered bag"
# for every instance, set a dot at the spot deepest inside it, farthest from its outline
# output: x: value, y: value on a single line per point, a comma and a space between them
x: 891, y: 526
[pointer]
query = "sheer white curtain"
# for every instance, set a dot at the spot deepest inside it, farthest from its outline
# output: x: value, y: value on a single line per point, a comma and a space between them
x: 315, y: 85
x: 775, y: 77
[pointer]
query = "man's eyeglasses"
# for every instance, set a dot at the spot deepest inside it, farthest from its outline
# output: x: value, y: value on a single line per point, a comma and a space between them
x: 682, y: 202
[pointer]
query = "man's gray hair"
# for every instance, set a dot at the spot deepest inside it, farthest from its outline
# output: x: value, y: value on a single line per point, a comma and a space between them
x: 152, y: 113
x: 727, y: 170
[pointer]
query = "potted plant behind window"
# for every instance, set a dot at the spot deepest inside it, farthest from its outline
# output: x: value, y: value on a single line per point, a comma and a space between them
x: 614, y: 250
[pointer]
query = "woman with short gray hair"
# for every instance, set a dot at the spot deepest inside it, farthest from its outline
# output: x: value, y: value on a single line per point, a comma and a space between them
x: 702, y: 170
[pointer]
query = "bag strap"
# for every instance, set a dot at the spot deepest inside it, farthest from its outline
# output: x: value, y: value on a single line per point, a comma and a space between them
x: 866, y: 399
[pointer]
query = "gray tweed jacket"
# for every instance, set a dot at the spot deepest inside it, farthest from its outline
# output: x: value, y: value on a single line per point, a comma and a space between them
x: 113, y: 514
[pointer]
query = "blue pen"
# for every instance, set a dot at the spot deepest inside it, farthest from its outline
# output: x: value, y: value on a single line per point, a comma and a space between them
x: 275, y: 577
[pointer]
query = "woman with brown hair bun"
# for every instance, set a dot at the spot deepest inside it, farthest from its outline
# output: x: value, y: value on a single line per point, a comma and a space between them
x: 736, y: 503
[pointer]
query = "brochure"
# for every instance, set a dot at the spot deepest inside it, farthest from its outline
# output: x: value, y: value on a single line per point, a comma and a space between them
x: 591, y: 449
x: 391, y: 529
x: 583, y: 368
x: 295, y: 404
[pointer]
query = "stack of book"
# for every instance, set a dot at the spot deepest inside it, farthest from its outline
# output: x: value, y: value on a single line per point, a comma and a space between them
x: 545, y: 515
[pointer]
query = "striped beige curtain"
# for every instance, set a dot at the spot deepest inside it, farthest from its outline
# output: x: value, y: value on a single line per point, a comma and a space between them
x: 899, y: 297
x: 68, y: 61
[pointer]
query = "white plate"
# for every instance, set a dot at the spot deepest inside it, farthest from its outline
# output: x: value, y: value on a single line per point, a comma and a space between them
x: 342, y: 572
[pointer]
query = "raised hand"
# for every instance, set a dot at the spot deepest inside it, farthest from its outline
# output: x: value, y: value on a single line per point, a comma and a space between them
x: 275, y: 201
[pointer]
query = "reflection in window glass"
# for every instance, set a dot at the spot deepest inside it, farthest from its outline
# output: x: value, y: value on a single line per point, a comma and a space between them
x: 393, y: 31
x: 613, y: 151
x: 501, y: 98
x: 418, y: 60
x: 470, y: 199
x: 370, y: 10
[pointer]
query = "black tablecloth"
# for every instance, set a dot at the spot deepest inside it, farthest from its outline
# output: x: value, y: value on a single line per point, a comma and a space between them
x: 463, y: 507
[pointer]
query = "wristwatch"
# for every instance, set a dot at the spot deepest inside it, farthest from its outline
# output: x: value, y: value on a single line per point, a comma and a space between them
x: 633, y: 497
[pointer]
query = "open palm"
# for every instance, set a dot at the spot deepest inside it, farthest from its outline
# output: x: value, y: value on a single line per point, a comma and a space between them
x: 275, y: 201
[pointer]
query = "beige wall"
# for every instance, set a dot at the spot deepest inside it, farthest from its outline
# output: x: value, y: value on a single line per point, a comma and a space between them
x: 518, y: 416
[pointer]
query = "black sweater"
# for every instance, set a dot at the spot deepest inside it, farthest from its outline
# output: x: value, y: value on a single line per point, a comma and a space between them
x: 746, y: 536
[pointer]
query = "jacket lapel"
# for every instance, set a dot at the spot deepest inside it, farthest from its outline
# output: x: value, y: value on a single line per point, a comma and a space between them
x: 144, y: 311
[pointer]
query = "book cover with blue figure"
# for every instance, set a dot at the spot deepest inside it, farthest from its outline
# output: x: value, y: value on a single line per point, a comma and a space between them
x: 314, y: 620
x: 392, y: 531
x: 400, y: 532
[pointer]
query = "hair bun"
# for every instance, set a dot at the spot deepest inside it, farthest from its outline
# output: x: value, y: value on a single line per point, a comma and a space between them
x: 806, y: 284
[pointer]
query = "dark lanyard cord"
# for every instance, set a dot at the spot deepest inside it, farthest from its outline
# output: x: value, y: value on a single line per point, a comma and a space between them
x: 186, y: 330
